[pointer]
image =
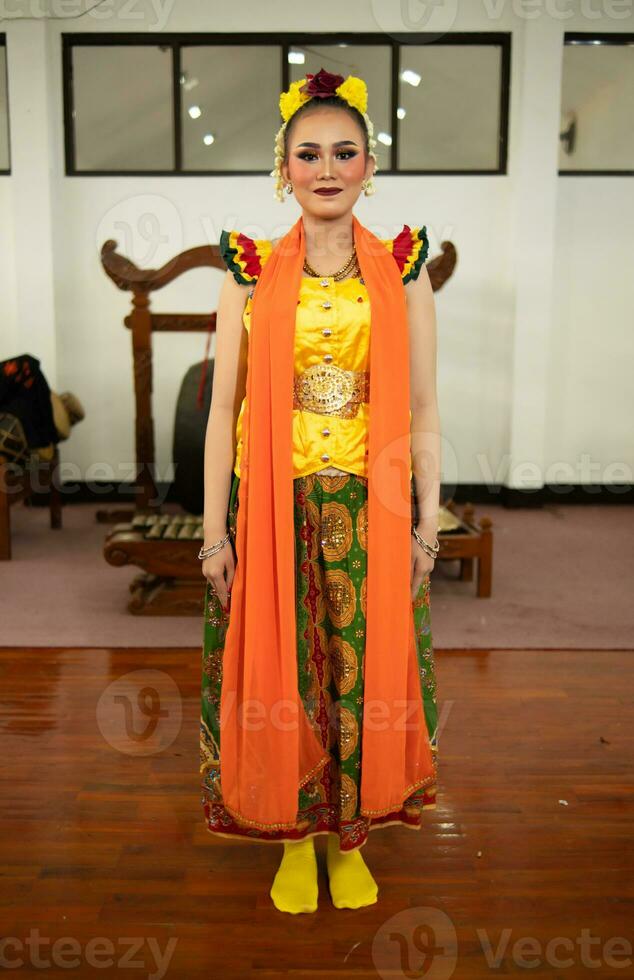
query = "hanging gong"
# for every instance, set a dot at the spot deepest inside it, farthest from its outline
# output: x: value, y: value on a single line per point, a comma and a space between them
x: 188, y: 450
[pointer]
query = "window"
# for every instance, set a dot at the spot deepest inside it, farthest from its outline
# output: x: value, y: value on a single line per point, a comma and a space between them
x: 597, y: 98
x: 122, y: 113
x: 208, y: 104
x: 229, y: 107
x: 5, y: 155
x: 450, y: 108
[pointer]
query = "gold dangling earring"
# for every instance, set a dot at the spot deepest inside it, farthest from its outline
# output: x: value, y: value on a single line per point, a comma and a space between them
x: 368, y: 187
x: 289, y: 188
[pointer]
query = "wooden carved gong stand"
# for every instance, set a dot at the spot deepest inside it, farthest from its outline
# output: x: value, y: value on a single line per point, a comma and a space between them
x: 166, y: 547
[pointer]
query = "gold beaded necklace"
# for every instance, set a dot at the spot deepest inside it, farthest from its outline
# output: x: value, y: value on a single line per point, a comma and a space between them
x: 351, y: 265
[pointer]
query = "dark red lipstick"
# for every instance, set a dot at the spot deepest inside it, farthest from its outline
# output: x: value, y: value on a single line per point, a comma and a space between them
x: 328, y: 192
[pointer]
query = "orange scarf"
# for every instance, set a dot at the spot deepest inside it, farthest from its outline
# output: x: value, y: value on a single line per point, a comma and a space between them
x: 268, y: 746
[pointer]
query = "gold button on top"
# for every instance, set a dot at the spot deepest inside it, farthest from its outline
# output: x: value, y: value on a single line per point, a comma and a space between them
x: 325, y: 457
x: 326, y: 331
x: 326, y: 304
x: 327, y: 358
x: 325, y: 282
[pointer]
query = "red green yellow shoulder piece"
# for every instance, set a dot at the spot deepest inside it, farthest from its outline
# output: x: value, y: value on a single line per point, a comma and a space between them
x: 410, y: 249
x: 244, y: 256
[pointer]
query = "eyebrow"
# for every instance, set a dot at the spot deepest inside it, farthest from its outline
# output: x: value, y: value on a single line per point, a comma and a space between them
x: 317, y: 146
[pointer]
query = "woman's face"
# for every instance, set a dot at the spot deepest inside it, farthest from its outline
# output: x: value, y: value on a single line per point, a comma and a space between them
x: 326, y: 151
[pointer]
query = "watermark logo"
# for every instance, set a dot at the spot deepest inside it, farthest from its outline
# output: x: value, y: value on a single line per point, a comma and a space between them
x: 435, y: 18
x: 140, y: 713
x: 416, y: 943
x: 136, y: 15
x: 422, y: 943
x: 147, y: 229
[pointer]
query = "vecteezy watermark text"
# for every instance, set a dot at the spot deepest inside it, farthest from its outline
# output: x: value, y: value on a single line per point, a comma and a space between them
x: 99, y: 952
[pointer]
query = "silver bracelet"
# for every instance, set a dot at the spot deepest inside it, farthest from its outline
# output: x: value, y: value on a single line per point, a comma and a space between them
x: 429, y: 549
x: 213, y: 548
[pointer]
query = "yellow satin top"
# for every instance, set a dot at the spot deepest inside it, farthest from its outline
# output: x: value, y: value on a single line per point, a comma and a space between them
x: 337, y: 333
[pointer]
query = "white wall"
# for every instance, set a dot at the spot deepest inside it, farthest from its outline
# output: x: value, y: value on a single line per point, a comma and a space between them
x: 535, y: 338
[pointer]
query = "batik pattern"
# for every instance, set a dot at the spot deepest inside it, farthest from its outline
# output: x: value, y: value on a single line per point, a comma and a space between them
x: 330, y: 516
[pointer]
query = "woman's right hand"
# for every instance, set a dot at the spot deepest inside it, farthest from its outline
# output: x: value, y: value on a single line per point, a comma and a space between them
x: 219, y: 570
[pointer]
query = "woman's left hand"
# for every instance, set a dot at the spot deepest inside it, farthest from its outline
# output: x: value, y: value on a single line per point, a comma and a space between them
x: 422, y: 565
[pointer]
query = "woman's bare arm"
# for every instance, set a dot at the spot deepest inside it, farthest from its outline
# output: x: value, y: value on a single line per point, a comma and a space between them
x: 228, y: 391
x: 425, y: 423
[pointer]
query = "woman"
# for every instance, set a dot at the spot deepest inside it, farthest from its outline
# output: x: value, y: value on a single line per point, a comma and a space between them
x: 318, y: 690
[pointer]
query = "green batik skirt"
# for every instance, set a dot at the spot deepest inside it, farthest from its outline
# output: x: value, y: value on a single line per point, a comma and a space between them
x: 330, y: 514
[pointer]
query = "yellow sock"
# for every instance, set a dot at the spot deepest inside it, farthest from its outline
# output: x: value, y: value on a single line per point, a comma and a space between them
x: 351, y: 884
x: 295, y: 887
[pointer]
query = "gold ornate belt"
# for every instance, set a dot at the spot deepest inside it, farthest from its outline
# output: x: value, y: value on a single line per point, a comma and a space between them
x: 330, y: 390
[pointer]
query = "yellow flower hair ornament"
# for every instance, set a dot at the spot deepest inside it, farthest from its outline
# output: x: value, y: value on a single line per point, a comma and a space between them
x: 352, y: 90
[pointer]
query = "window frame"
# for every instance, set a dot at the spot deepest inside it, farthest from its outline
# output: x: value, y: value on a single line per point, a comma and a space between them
x: 6, y: 171
x: 177, y: 41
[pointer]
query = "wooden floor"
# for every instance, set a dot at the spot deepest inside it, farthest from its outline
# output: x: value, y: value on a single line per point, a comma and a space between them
x: 530, y: 849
